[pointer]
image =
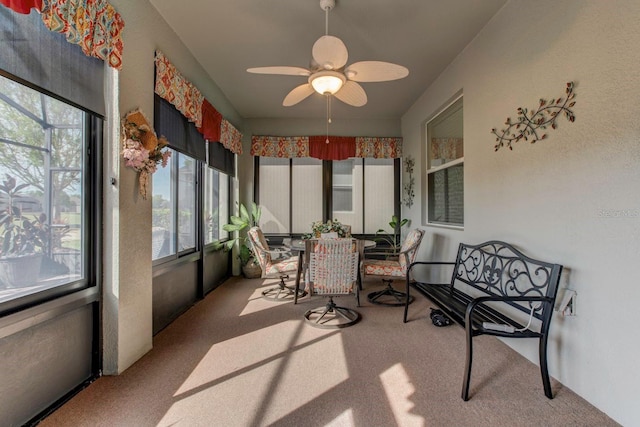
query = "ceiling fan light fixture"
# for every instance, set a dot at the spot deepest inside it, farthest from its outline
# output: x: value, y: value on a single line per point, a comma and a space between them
x: 327, y: 82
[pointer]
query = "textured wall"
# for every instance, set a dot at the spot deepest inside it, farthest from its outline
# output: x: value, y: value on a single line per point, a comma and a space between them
x: 128, y: 274
x: 571, y: 199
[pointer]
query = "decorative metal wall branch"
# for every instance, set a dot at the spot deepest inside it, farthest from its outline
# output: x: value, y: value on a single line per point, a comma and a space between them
x: 529, y: 127
x: 407, y: 197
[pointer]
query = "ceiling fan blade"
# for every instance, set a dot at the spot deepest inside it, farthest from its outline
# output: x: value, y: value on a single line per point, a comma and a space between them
x: 330, y: 52
x: 297, y: 94
x: 375, y: 71
x: 352, y: 93
x: 280, y: 69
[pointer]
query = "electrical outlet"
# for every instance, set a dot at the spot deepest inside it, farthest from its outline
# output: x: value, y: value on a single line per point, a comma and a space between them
x: 567, y: 306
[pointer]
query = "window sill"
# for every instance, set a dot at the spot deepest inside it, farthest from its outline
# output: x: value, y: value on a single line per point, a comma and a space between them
x: 446, y: 226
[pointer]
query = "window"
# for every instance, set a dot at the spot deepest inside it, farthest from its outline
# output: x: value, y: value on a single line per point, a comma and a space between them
x: 216, y: 205
x: 343, y: 175
x: 306, y: 193
x: 45, y: 216
x: 163, y: 212
x: 347, y: 193
x: 186, y: 203
x: 274, y: 194
x: 379, y: 190
x: 174, y: 207
x: 445, y: 171
x: 360, y: 192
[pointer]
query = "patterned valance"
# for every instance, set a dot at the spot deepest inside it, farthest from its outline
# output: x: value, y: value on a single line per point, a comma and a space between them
x: 180, y: 92
x: 379, y: 148
x: 338, y: 148
x: 447, y: 149
x: 280, y: 146
x: 230, y: 137
x: 94, y: 25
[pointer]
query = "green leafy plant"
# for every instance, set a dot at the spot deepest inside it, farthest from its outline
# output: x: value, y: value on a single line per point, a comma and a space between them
x: 335, y: 226
x: 241, y: 224
x: 392, y: 240
x: 20, y: 235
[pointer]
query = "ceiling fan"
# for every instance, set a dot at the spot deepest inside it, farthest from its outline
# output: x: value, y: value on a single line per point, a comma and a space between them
x: 327, y: 73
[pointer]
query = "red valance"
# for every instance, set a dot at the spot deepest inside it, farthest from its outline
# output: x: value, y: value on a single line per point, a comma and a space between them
x: 23, y: 6
x: 338, y: 148
x: 211, y: 122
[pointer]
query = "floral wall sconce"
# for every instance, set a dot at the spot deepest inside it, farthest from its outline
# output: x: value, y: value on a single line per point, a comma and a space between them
x: 142, y: 150
x: 408, y: 187
x: 529, y: 125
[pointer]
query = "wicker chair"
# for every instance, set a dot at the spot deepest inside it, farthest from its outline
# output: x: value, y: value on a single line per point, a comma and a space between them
x: 392, y: 269
x: 333, y: 271
x: 275, y: 264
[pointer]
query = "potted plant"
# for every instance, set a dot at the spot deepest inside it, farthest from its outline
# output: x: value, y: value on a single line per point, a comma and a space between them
x: 392, y: 240
x: 22, y: 240
x: 318, y: 228
x: 241, y: 224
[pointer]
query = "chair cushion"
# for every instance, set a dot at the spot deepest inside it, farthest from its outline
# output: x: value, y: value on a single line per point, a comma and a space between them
x: 260, y: 246
x: 287, y: 265
x: 376, y: 267
x: 413, y: 238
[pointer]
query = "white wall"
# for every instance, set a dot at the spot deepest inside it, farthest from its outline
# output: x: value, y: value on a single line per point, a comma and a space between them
x: 559, y: 199
x: 127, y: 302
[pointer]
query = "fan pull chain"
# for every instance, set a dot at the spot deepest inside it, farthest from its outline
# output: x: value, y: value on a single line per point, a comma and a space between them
x: 328, y: 116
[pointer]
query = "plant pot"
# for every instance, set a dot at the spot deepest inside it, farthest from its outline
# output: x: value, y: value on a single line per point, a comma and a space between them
x: 20, y: 272
x: 252, y: 270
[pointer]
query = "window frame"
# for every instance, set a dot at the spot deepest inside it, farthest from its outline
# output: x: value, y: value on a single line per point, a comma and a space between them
x: 431, y: 171
x: 92, y: 131
x: 174, y: 200
x: 214, y: 243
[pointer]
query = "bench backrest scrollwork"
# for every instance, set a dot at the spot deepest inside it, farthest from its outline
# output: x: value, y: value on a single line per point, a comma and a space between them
x: 497, y: 268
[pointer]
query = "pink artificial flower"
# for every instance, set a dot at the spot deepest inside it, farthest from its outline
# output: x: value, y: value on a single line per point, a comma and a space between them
x: 165, y: 157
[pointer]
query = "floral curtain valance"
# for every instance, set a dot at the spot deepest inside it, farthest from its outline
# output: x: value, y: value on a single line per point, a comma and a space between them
x: 182, y: 94
x: 230, y: 137
x: 94, y: 25
x: 379, y: 148
x: 338, y: 148
x: 280, y: 146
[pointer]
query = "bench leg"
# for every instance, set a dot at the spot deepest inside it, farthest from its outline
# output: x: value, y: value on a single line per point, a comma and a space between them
x: 546, y: 383
x: 467, y: 366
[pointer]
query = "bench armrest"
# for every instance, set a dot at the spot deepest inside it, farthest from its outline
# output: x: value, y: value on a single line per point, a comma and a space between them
x: 430, y: 263
x: 481, y: 300
x: 413, y: 264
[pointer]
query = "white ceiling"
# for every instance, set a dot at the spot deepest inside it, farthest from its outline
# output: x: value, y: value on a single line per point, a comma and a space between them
x: 229, y: 36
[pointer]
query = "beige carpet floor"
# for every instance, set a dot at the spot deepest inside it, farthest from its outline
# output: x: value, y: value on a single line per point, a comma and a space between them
x: 235, y: 359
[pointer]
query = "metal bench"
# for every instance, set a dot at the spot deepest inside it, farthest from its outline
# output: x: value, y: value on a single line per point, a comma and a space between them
x: 495, y: 290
